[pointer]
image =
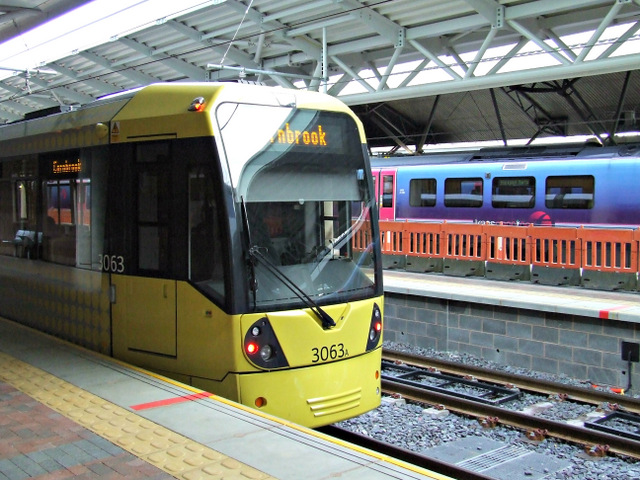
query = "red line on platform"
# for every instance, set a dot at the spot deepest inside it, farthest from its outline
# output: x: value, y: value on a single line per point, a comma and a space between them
x: 171, y: 401
x: 604, y: 314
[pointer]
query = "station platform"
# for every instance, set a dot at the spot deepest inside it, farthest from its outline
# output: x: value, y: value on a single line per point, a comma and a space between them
x: 600, y: 304
x: 67, y: 412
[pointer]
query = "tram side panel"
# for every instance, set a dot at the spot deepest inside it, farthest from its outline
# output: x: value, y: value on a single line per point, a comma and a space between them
x: 46, y: 226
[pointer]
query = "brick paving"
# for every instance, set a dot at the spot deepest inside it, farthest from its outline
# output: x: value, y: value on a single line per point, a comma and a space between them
x: 37, y: 442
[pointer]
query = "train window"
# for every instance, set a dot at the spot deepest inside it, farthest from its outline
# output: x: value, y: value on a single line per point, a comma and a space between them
x: 422, y: 192
x: 463, y: 192
x: 513, y: 192
x: 387, y: 191
x: 570, y: 191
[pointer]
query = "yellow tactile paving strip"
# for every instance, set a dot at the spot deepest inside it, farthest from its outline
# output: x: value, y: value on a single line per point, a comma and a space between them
x: 177, y: 455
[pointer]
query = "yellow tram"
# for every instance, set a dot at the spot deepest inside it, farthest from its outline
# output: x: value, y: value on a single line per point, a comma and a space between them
x: 205, y: 232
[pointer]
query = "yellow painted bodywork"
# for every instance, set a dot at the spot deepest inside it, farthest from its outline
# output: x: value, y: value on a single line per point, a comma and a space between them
x: 160, y: 111
x: 209, y: 352
x: 320, y: 394
x: 168, y: 326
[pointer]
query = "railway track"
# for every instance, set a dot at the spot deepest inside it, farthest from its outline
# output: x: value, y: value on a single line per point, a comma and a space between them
x: 413, y: 458
x: 598, y: 436
x: 522, y: 381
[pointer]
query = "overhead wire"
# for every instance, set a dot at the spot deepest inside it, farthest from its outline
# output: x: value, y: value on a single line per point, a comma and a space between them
x: 229, y: 44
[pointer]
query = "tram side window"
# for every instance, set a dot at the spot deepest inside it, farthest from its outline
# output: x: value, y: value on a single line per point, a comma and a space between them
x: 154, y: 206
x: 18, y: 205
x: 206, y: 251
x: 570, y: 192
x: 422, y: 192
x: 66, y: 224
x: 20, y: 236
x: 463, y: 192
x: 513, y: 192
x: 7, y: 230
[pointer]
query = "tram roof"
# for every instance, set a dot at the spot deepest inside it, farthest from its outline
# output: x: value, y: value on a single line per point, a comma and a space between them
x: 413, y: 71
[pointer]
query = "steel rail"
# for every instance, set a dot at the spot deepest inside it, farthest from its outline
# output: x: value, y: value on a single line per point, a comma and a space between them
x: 562, y: 430
x: 407, y: 456
x: 524, y: 382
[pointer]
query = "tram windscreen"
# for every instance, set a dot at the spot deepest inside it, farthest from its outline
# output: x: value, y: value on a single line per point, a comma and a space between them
x: 301, y: 180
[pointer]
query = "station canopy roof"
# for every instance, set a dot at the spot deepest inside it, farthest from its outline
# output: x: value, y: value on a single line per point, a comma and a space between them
x: 417, y: 72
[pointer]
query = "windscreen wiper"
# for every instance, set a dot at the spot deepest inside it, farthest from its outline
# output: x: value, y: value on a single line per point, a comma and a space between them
x: 325, y: 318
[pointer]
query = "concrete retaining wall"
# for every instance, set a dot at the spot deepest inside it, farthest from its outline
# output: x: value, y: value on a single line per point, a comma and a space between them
x: 584, y: 348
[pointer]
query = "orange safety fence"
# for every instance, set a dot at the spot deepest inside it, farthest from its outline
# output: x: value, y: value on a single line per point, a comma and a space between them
x: 362, y: 237
x: 609, y: 250
x: 555, y: 247
x: 422, y: 239
x: 508, y: 244
x: 594, y: 249
x: 463, y: 241
x: 636, y: 237
x: 391, y: 237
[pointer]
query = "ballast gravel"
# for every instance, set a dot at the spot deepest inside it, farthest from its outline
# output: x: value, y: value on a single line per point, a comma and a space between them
x: 409, y: 426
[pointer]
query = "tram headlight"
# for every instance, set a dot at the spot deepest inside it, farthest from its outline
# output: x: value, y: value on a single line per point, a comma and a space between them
x: 375, y: 328
x: 266, y: 352
x: 261, y: 346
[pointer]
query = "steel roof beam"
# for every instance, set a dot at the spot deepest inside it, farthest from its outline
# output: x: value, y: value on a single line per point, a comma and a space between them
x: 483, y: 49
x: 566, y: 49
x: 621, y: 41
x: 307, y: 45
x: 337, y: 87
x: 392, y: 63
x: 509, y: 56
x: 425, y: 134
x: 387, y: 127
x: 302, y: 8
x: 601, y: 67
x: 15, y: 110
x: 606, y: 21
x: 415, y: 73
x: 489, y: 9
x: 394, y: 33
x: 353, y: 74
x: 180, y: 66
x: 98, y: 85
x: 434, y: 58
x: 127, y: 72
x: 526, y: 32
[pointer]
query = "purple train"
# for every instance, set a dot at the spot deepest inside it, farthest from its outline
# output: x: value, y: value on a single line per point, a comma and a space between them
x: 559, y: 185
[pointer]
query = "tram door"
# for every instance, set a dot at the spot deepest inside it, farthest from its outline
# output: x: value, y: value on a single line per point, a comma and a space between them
x: 385, y: 181
x: 144, y: 305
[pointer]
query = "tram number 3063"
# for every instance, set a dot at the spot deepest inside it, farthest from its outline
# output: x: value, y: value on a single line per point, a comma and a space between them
x: 111, y: 263
x: 332, y: 352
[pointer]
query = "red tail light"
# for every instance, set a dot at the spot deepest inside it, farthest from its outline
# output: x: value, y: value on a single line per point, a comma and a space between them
x: 375, y: 329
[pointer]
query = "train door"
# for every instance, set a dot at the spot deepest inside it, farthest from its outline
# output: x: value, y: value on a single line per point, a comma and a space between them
x: 144, y: 303
x: 385, y: 181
